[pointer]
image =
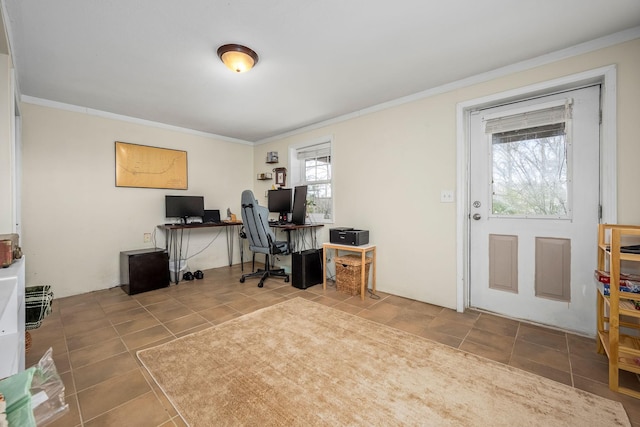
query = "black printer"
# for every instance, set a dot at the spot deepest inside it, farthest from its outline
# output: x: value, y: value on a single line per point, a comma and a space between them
x: 348, y: 236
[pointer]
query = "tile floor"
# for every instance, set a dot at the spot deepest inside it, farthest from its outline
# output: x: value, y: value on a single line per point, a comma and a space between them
x: 95, y: 337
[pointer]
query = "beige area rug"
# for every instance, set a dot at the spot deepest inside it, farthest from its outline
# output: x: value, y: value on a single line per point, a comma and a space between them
x: 300, y: 363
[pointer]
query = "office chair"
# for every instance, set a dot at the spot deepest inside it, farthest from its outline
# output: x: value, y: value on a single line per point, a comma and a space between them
x: 255, y: 219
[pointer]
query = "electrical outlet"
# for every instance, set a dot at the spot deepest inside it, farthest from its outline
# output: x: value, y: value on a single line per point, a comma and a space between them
x: 147, y: 237
x: 446, y: 196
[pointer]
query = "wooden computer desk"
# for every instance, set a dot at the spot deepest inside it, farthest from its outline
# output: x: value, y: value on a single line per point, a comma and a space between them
x: 362, y: 250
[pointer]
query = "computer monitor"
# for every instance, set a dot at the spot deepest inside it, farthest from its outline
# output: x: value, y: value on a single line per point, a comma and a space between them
x: 184, y: 207
x: 299, y: 213
x: 279, y: 201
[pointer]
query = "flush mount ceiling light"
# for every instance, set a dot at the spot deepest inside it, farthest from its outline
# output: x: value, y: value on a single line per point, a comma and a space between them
x: 237, y: 58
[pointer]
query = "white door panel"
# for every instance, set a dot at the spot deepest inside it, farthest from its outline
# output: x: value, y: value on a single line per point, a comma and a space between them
x: 506, y: 229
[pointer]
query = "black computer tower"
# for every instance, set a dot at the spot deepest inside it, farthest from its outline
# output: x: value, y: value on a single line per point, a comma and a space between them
x: 306, y: 268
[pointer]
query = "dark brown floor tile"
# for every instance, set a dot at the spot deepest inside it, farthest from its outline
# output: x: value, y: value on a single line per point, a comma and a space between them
x: 113, y: 392
x: 426, y: 308
x: 381, y: 313
x: 149, y: 298
x: 115, y: 298
x: 449, y: 327
x: 244, y: 305
x: 126, y: 316
x: 193, y: 330
x: 348, y: 308
x: 121, y: 306
x: 485, y: 351
x: 137, y: 323
x: 540, y: 369
x: 584, y: 347
x: 500, y: 343
x: 542, y: 355
x: 142, y: 411
x: 497, y: 325
x: 330, y: 302
x: 597, y: 370
x: 399, y: 301
x: 435, y: 335
x: 146, y: 336
x: 410, y: 320
x: 219, y: 314
x: 70, y: 316
x: 469, y: 317
x: 356, y: 301
x: 91, y: 337
x: 85, y: 326
x: 535, y: 335
x: 97, y: 372
x: 97, y: 352
x: 184, y: 323
x: 172, y: 313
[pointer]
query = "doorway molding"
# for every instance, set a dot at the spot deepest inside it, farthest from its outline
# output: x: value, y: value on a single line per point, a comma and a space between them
x: 606, y: 77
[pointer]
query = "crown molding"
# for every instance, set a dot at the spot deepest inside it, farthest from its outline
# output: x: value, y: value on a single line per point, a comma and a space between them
x: 104, y: 114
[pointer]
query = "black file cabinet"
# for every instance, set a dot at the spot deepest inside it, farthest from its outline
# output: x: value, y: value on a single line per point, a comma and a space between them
x: 144, y: 270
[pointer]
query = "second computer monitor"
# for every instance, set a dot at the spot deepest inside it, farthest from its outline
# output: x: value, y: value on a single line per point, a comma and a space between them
x: 299, y: 212
x: 279, y: 201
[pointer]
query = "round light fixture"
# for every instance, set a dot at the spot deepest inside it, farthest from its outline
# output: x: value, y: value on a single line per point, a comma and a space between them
x: 237, y: 58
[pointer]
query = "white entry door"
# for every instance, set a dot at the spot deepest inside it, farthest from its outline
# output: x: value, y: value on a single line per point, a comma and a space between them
x: 534, y: 194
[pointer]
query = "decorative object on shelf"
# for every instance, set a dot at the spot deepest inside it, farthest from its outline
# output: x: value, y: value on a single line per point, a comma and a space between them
x: 264, y: 176
x: 272, y: 157
x: 237, y: 58
x: 281, y: 176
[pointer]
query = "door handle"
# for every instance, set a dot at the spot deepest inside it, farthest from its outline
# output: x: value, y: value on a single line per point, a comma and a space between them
x: 476, y: 216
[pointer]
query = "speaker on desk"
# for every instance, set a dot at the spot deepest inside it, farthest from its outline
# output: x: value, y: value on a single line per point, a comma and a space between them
x: 306, y: 268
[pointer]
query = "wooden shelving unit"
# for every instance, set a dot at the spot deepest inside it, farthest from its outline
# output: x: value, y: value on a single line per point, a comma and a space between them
x: 622, y: 348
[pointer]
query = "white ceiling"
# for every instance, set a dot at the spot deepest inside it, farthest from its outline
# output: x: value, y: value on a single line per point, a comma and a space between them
x: 156, y: 59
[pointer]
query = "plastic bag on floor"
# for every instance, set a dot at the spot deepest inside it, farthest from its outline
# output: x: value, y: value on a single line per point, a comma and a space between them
x: 34, y: 397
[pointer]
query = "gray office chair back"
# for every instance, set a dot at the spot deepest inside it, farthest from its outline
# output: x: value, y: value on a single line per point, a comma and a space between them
x: 255, y: 219
x: 256, y: 224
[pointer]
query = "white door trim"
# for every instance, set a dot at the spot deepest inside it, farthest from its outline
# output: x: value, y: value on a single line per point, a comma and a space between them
x: 606, y: 76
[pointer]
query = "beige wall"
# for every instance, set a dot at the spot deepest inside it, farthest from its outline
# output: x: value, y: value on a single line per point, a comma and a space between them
x: 390, y: 166
x: 389, y: 169
x: 76, y: 221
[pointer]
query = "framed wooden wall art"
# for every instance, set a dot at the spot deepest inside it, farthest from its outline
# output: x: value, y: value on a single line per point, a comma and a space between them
x: 144, y: 166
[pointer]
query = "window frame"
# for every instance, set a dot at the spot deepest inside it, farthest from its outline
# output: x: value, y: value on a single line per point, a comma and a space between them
x: 298, y: 177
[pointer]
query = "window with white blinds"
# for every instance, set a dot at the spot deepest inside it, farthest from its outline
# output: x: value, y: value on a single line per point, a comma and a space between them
x: 531, y: 162
x: 311, y: 166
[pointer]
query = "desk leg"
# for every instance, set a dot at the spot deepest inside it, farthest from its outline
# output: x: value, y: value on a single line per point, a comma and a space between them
x: 176, y: 257
x: 230, y: 243
x: 324, y: 269
x: 363, y: 270
x: 373, y: 277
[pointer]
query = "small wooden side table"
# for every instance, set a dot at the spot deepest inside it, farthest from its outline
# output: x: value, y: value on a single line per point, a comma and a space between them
x: 362, y: 250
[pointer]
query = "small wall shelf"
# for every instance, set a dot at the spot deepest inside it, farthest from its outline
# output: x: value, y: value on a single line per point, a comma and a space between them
x: 272, y: 157
x: 264, y: 176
